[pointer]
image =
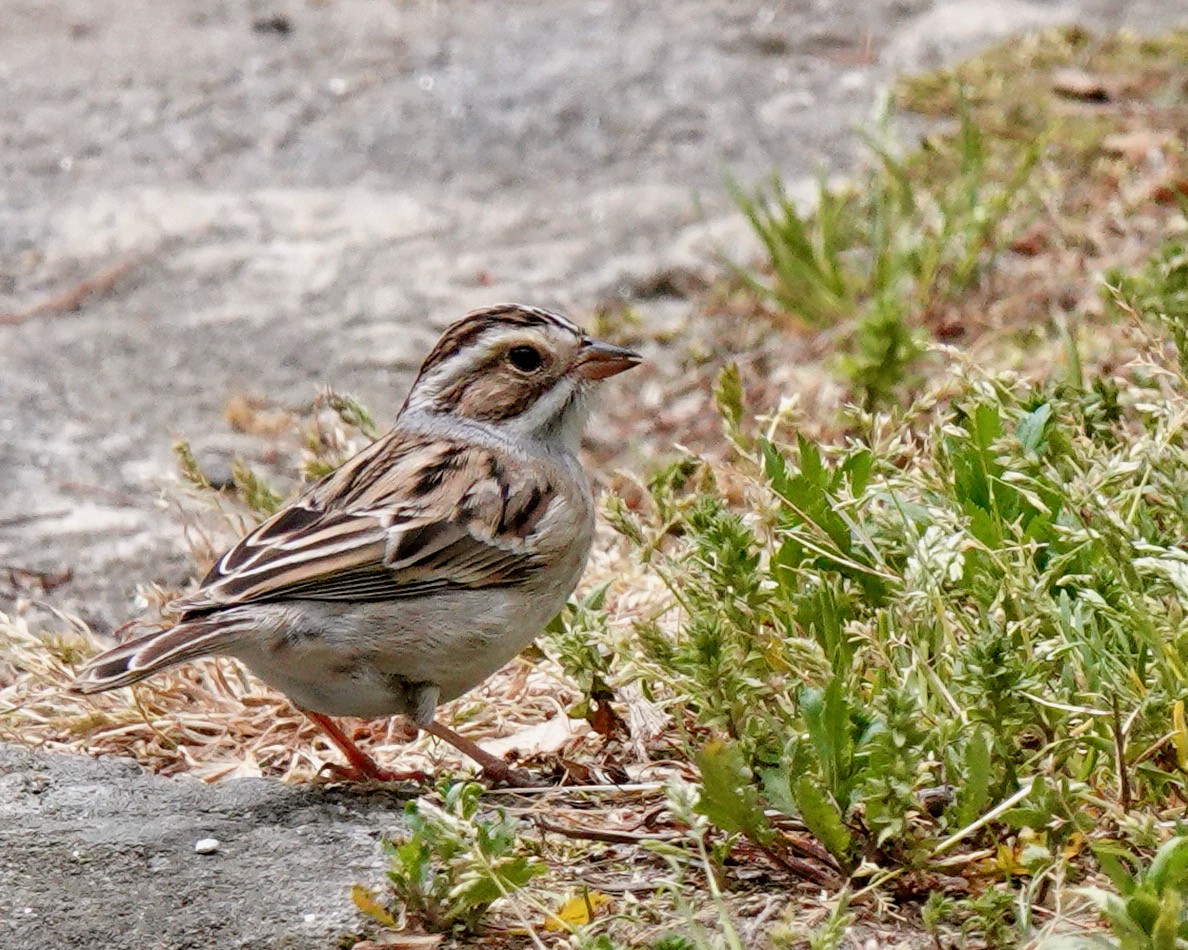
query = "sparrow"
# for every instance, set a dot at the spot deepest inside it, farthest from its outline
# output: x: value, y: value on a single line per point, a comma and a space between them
x: 426, y: 562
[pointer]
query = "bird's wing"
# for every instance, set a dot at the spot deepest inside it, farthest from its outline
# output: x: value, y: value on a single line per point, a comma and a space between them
x: 408, y: 515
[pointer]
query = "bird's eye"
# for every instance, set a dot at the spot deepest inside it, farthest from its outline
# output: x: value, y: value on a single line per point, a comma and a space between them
x: 526, y: 359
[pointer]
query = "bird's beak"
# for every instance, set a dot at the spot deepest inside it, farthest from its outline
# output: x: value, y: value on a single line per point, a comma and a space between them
x: 598, y: 360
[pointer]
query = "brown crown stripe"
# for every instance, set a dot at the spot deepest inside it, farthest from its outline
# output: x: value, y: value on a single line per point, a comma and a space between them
x: 463, y: 333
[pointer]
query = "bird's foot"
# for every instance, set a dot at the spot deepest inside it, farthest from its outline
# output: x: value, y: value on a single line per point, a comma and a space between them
x: 360, y: 766
x: 495, y: 770
x: 373, y: 773
x: 500, y: 773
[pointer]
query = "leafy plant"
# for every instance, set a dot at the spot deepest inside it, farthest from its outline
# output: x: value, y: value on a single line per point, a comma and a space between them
x: 1150, y: 909
x: 827, y: 935
x: 576, y: 640
x: 964, y: 649
x: 883, y: 256
x: 883, y: 350
x: 455, y: 862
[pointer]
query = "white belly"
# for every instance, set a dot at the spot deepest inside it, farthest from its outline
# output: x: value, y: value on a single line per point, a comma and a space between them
x: 365, y: 659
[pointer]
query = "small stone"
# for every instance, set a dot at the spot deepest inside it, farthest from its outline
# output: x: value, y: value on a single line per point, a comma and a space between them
x: 206, y: 846
x: 1137, y: 145
x: 217, y: 468
x: 1078, y: 84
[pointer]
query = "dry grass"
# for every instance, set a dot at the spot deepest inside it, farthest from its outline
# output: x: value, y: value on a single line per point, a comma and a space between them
x: 215, y: 720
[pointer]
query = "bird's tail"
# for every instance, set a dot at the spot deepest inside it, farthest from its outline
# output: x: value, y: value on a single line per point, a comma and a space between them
x: 148, y: 653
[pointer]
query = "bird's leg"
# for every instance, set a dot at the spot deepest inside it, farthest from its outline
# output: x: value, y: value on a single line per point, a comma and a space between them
x: 494, y: 769
x: 422, y: 704
x: 362, y: 767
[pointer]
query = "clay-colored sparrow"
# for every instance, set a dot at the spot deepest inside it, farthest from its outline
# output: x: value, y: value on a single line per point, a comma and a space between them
x: 428, y: 560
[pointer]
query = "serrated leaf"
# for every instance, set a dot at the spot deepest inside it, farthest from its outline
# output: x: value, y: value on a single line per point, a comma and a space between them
x: 857, y: 469
x: 727, y: 795
x: 975, y: 789
x: 811, y: 468
x: 827, y: 716
x: 822, y: 817
x: 775, y: 467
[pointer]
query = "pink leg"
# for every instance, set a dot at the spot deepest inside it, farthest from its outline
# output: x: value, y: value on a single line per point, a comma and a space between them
x: 494, y: 769
x: 362, y: 767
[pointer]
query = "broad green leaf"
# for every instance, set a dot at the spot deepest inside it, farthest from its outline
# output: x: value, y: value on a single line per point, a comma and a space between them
x: 975, y: 790
x: 827, y: 716
x: 821, y: 816
x: 777, y: 788
x: 1110, y: 859
x: 1031, y: 427
x: 728, y: 796
x: 811, y: 468
x: 1143, y: 908
x: 1169, y: 867
x: 477, y: 891
x: 1167, y: 925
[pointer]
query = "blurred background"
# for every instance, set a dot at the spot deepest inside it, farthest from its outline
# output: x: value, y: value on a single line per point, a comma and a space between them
x: 243, y: 200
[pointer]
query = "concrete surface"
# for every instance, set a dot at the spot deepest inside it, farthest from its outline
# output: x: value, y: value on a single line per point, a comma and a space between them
x: 98, y: 854
x: 305, y: 192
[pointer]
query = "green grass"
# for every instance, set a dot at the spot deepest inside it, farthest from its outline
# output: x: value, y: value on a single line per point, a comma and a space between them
x: 1147, y: 909
x: 912, y: 246
x: 963, y: 632
x: 884, y: 255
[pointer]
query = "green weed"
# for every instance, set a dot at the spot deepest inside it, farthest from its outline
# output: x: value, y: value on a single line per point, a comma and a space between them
x: 982, y: 649
x: 455, y: 862
x: 883, y: 256
x: 1148, y: 911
